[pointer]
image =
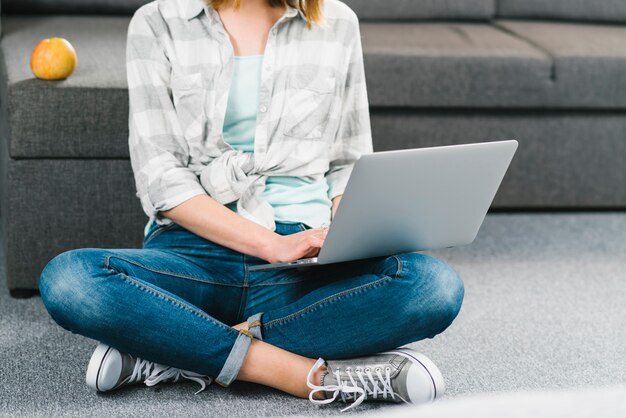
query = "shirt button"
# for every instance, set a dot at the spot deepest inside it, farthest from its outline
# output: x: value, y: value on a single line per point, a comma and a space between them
x: 263, y: 109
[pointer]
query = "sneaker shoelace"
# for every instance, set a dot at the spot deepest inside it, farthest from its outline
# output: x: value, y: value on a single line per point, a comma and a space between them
x: 362, y: 385
x: 152, y: 373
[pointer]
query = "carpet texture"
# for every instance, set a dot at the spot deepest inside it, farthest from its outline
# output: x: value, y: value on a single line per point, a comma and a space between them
x: 545, y: 309
x: 605, y: 402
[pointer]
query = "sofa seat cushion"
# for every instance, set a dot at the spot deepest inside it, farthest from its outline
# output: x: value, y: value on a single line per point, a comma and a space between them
x: 73, y: 6
x: 587, y: 10
x: 589, y: 62
x: 511, y: 64
x: 83, y: 116
x: 450, y: 65
x: 423, y: 9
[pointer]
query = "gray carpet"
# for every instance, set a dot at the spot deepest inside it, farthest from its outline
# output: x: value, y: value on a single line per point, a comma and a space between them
x: 545, y: 308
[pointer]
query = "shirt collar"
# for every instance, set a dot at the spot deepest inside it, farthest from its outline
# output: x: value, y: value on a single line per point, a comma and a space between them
x: 194, y: 7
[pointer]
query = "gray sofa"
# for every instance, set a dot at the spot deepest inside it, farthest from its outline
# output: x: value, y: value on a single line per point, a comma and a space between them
x: 551, y: 74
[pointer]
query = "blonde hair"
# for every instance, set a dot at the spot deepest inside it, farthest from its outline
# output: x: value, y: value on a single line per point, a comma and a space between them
x: 311, y: 9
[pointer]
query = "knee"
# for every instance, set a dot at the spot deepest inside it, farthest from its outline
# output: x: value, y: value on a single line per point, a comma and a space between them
x: 448, y: 292
x: 438, y: 290
x: 64, y: 282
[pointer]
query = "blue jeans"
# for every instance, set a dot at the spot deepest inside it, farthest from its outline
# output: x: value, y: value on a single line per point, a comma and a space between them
x: 175, y: 300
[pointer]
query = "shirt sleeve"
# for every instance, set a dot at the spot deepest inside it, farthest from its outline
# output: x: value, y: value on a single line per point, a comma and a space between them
x: 354, y: 135
x: 159, y: 153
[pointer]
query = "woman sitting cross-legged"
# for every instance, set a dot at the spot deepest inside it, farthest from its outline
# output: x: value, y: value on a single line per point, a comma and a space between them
x: 246, y: 118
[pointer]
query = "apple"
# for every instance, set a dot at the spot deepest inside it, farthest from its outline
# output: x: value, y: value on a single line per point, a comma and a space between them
x: 53, y: 59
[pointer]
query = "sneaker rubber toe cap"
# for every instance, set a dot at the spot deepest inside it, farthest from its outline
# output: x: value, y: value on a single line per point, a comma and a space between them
x: 424, y: 380
x: 105, y: 368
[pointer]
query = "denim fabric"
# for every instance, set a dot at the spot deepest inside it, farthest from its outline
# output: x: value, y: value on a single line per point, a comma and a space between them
x: 175, y: 300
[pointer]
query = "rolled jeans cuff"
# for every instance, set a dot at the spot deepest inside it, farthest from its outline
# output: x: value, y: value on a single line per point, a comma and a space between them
x: 237, y: 354
x: 254, y: 326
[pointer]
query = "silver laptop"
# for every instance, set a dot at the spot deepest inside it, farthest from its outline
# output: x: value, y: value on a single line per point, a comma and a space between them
x: 412, y: 200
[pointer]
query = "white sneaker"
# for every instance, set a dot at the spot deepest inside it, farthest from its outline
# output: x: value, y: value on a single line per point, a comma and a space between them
x: 401, y: 375
x: 110, y: 369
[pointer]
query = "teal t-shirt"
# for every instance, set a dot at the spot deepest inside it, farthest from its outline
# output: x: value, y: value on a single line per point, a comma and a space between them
x: 294, y: 200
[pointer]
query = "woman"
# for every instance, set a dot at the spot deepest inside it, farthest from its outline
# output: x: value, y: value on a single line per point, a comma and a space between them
x: 246, y: 118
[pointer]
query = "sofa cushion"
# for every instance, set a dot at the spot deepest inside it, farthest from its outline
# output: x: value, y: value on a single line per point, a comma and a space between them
x: 423, y: 9
x: 73, y: 6
x: 589, y: 62
x: 450, y: 65
x: 83, y: 116
x: 588, y: 10
x: 515, y: 64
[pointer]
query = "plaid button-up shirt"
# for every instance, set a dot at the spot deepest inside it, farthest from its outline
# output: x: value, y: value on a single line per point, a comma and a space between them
x: 312, y: 121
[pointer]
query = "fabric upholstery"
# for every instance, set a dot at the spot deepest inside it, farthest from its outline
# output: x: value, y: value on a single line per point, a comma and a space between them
x: 513, y: 65
x: 423, y: 9
x: 83, y: 116
x: 586, y: 10
x: 73, y: 6
x: 588, y: 62
x: 57, y: 205
x: 450, y: 65
x: 4, y: 161
x: 564, y: 160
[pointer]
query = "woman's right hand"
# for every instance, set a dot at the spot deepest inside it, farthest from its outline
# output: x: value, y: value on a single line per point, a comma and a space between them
x: 292, y: 247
